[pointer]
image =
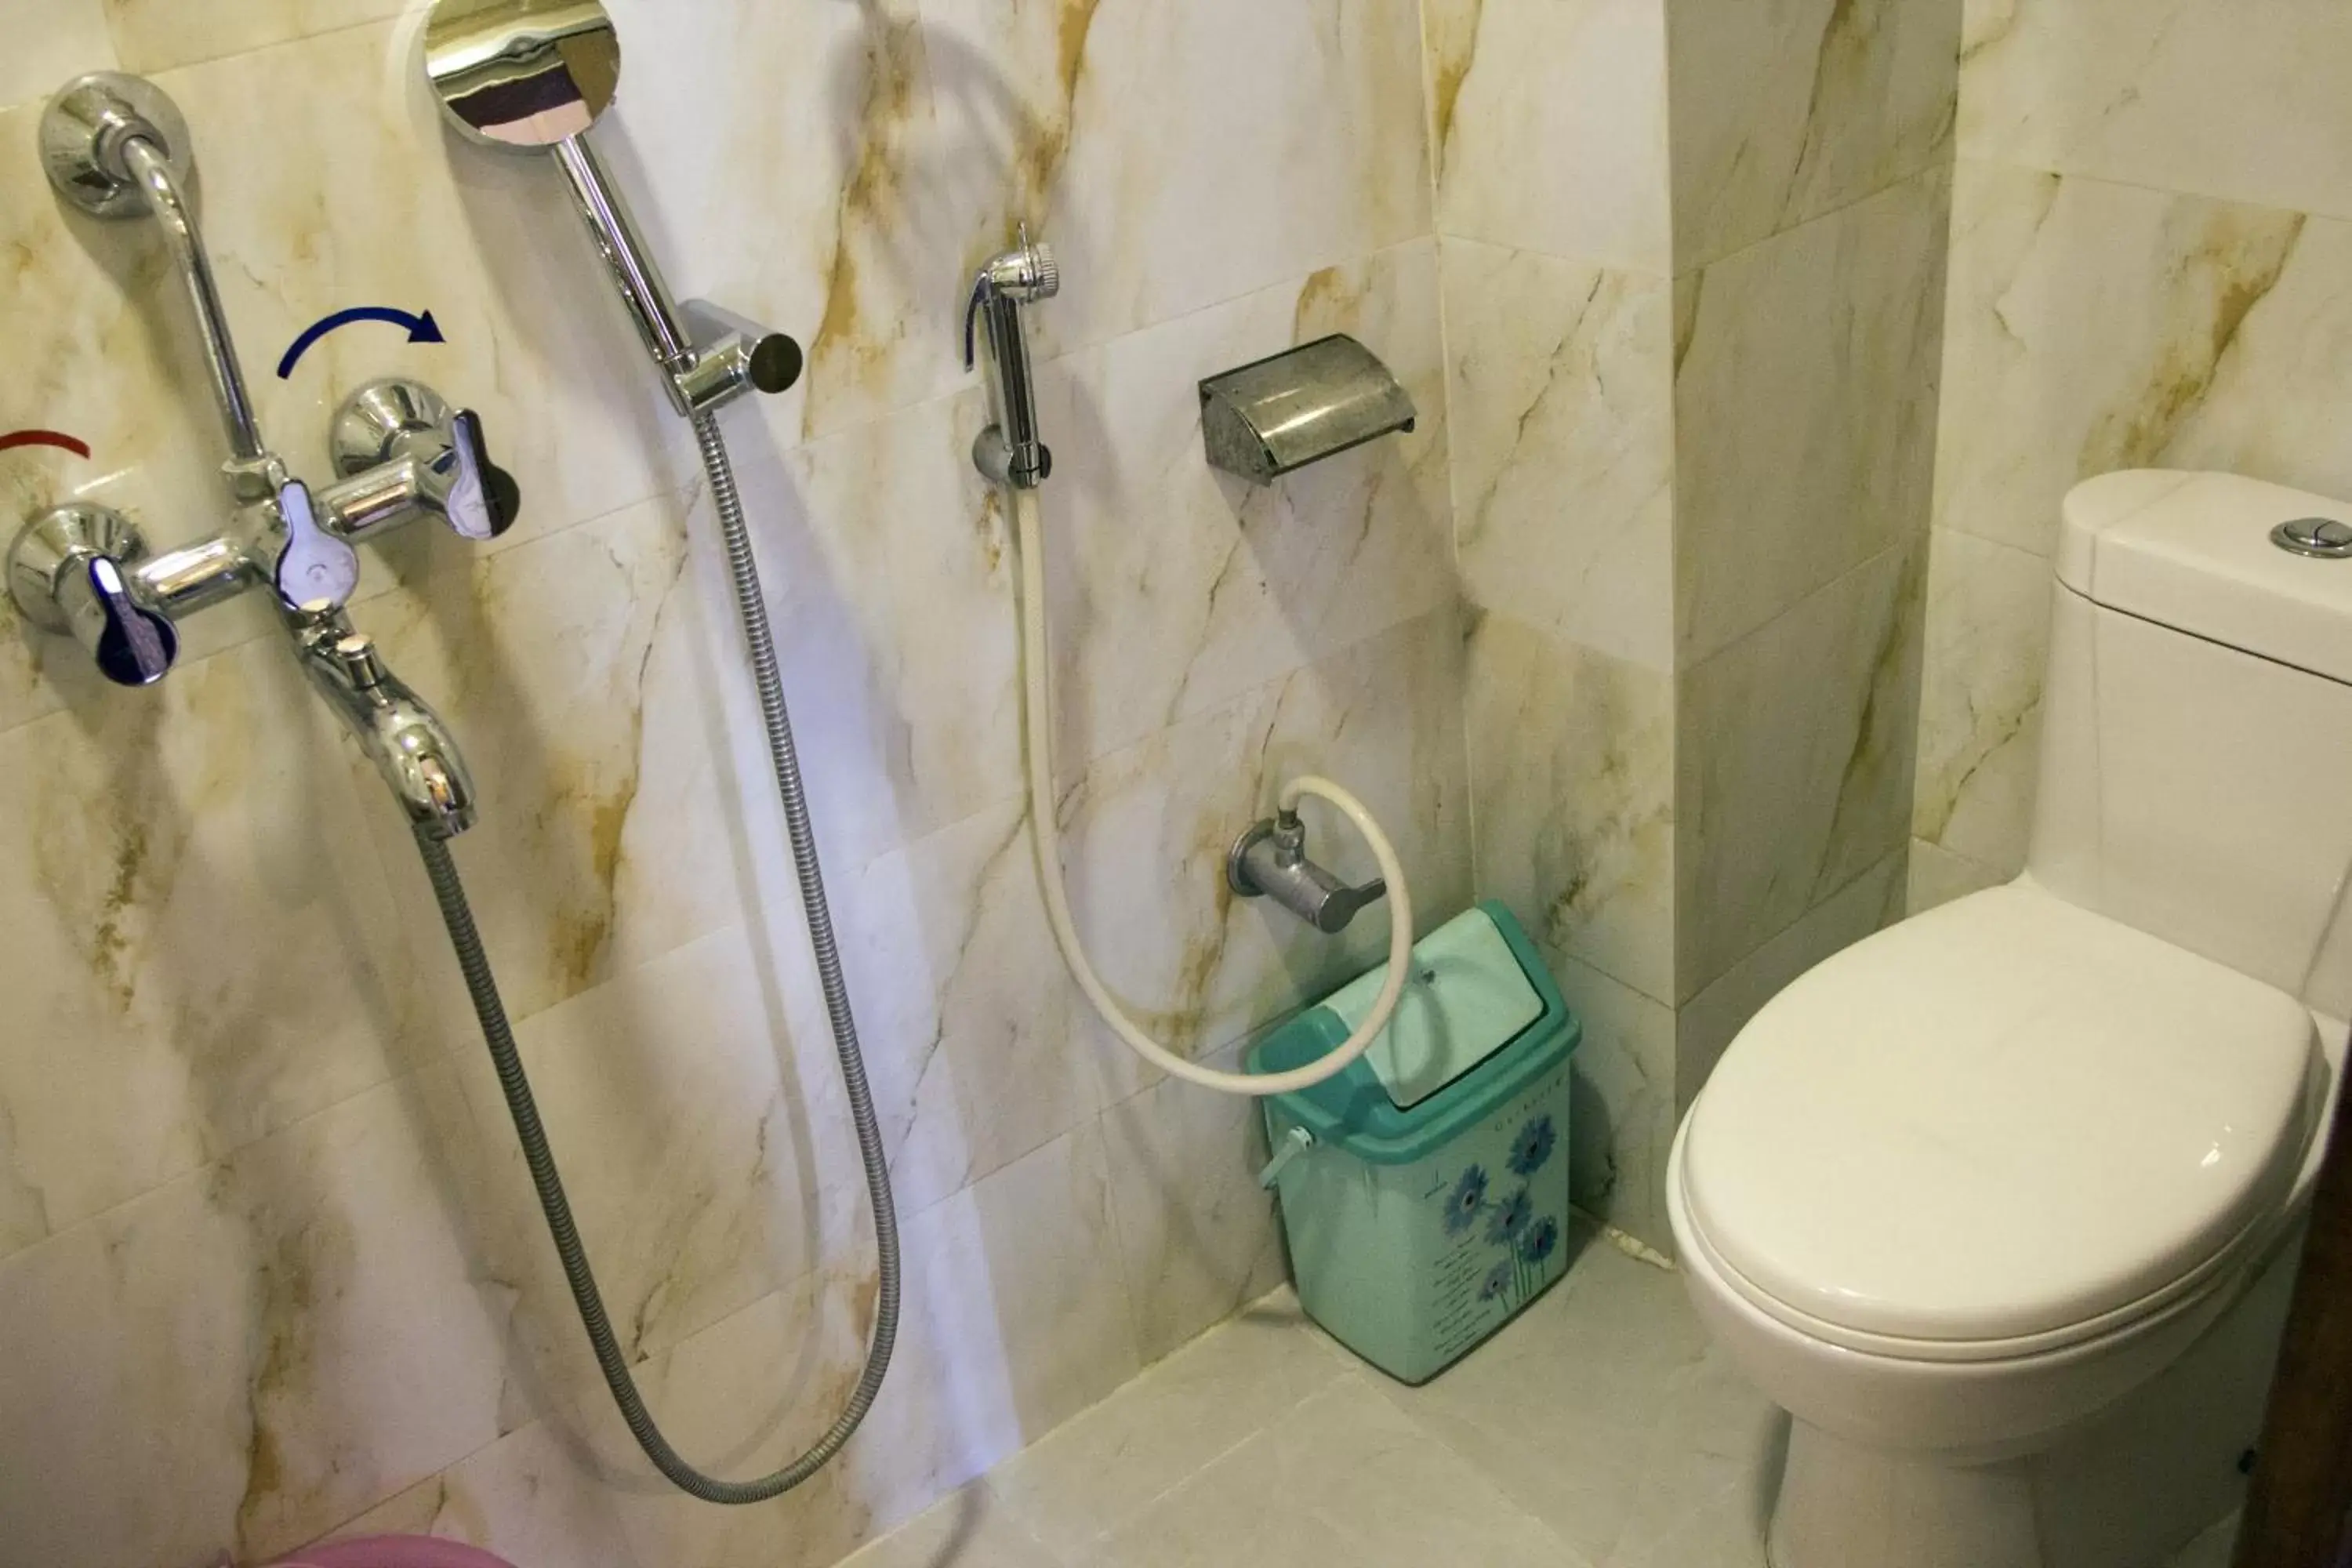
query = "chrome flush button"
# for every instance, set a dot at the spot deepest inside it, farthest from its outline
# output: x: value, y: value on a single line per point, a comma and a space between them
x: 2323, y: 538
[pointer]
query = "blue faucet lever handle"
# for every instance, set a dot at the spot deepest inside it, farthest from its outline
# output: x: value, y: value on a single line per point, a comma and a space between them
x: 315, y: 570
x: 133, y: 645
x: 482, y: 500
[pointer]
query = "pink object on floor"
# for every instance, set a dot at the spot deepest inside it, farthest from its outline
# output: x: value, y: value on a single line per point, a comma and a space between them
x: 394, y: 1552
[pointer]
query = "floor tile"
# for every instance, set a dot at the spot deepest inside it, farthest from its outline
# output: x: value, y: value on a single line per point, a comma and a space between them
x: 1604, y: 1412
x: 968, y: 1528
x: 1347, y: 1478
x: 1101, y: 1471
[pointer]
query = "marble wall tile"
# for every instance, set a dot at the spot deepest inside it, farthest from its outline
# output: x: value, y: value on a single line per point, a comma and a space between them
x: 2181, y: 96
x: 1786, y: 111
x: 1805, y: 780
x: 981, y: 1048
x: 571, y: 671
x: 1175, y: 588
x: 524, y: 1498
x: 910, y: 137
x: 201, y: 948
x: 1573, y: 761
x: 157, y: 35
x: 1623, y: 1107
x: 1806, y: 396
x: 50, y: 43
x: 984, y: 1050
x: 1561, y: 393
x: 1197, y: 1235
x: 888, y: 566
x: 1016, y: 1318
x: 1146, y: 833
x: 1303, y: 144
x: 706, y: 1147
x: 249, y: 1354
x: 1937, y: 876
x: 2093, y: 327
x: 1708, y: 1022
x: 1549, y: 121
x: 1988, y: 644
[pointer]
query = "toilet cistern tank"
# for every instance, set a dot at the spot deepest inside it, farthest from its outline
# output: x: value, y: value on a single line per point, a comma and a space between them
x: 2198, y: 723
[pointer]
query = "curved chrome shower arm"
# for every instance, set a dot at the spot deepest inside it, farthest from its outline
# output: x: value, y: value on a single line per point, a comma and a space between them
x: 149, y: 166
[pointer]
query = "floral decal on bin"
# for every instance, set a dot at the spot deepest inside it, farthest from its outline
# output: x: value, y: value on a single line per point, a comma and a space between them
x: 1468, y: 1201
x: 1527, y: 1241
x: 1531, y: 1150
x: 1510, y: 1217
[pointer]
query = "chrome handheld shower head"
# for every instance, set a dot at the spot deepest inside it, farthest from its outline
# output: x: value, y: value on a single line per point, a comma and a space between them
x: 538, y: 73
x: 1010, y: 450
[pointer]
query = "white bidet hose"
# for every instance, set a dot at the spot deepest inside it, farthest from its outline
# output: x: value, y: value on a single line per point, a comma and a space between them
x: 1045, y: 838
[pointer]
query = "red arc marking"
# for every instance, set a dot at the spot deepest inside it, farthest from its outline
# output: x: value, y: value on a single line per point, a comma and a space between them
x: 45, y: 438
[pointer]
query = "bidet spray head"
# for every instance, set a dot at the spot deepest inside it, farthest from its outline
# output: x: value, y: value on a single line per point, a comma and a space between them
x: 1009, y: 451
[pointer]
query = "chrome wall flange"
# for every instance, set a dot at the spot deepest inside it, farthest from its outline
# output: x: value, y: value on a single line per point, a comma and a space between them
x: 82, y: 133
x: 69, y: 570
x: 402, y: 451
x: 47, y: 550
x: 368, y: 428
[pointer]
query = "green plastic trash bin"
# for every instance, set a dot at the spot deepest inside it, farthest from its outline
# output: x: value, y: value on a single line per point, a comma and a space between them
x: 1424, y: 1189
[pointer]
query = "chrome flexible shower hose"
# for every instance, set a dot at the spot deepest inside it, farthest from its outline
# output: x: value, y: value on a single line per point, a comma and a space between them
x: 482, y: 985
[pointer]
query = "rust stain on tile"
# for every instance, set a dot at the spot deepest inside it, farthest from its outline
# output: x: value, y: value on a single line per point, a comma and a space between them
x: 1450, y: 71
x: 2217, y: 287
x: 846, y: 349
x: 1049, y: 143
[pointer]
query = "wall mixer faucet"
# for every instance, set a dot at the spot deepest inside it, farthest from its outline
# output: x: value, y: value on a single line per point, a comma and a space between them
x: 116, y: 147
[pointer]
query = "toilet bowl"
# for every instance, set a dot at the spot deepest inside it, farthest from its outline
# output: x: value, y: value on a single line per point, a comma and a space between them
x: 1966, y: 1187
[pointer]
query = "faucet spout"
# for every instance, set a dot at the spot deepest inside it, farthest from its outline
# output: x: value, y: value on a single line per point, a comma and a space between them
x: 409, y: 744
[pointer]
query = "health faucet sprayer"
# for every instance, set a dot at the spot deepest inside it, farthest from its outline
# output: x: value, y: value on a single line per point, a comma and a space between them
x: 1269, y: 859
x: 536, y: 74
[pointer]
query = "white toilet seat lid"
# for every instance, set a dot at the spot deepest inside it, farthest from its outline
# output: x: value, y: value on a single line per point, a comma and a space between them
x: 2006, y: 1117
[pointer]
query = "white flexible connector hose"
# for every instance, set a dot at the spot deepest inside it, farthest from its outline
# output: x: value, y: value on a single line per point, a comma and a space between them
x: 1046, y: 838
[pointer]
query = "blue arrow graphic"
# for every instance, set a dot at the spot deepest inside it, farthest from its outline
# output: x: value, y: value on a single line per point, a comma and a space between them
x: 422, y: 329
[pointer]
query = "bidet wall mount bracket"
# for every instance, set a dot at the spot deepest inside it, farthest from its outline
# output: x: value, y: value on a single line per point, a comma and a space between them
x: 116, y: 147
x: 1269, y: 859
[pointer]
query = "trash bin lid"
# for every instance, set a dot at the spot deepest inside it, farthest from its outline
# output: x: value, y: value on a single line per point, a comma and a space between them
x: 1468, y: 998
x: 1356, y: 1109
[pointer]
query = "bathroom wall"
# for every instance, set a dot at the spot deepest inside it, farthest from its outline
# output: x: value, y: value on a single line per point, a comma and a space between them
x: 1693, y: 260
x: 1811, y: 193
x: 2149, y: 266
x: 1556, y: 248
x: 268, y: 1262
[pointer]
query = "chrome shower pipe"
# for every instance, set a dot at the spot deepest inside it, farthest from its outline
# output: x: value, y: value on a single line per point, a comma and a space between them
x: 708, y: 355
x: 606, y: 213
x: 152, y: 171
